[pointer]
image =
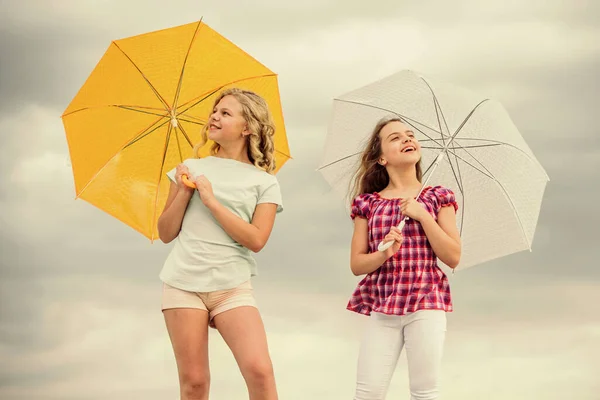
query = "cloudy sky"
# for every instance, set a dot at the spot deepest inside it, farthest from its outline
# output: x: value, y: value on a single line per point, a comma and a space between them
x: 79, y: 291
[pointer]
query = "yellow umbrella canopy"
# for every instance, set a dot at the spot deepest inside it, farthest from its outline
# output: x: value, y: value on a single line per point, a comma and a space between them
x: 141, y: 110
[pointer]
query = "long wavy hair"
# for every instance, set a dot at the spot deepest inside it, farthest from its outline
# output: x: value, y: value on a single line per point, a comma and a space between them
x: 261, y: 150
x: 371, y: 176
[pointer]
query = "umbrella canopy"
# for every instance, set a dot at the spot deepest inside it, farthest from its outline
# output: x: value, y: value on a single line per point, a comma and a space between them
x: 141, y: 110
x: 469, y: 144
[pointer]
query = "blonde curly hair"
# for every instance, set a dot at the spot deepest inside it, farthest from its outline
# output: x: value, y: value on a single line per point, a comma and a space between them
x: 261, y: 150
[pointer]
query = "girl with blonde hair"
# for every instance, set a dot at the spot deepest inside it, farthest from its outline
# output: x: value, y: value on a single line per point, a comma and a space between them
x: 216, y: 225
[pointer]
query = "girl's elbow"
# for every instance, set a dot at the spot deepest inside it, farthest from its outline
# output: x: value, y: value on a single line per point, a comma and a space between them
x: 257, y: 245
x: 166, y: 239
x: 256, y: 248
x: 454, y: 260
x: 164, y: 235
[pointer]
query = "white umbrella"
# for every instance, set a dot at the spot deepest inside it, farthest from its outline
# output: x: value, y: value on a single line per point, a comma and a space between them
x: 470, y: 145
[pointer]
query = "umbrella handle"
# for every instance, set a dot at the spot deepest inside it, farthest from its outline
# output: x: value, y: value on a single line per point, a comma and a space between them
x: 384, y: 246
x: 186, y: 181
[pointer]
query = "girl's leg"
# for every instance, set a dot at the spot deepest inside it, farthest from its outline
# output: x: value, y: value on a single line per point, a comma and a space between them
x: 379, y: 352
x: 188, y: 330
x: 424, y: 335
x: 243, y: 331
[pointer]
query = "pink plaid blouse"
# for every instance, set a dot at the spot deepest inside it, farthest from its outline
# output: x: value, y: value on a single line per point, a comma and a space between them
x: 410, y: 280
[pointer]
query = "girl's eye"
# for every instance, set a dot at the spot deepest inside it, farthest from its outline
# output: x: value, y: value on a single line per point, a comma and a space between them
x: 394, y: 138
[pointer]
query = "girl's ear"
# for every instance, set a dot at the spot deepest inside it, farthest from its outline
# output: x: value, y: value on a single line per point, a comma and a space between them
x: 245, y: 131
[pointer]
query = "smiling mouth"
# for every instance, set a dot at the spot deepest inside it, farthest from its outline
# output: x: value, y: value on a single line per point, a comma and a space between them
x: 408, y: 149
x: 213, y: 126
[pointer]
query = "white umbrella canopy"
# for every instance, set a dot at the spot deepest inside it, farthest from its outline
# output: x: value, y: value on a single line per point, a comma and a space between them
x: 498, y: 182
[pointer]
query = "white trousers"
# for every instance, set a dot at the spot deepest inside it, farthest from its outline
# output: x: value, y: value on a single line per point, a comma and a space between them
x: 422, y: 333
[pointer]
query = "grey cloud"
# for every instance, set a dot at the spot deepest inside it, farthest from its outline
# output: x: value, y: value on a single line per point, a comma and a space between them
x: 56, y: 250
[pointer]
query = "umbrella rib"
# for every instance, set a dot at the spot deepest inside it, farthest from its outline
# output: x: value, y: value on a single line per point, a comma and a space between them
x: 191, y: 122
x: 428, y: 168
x: 201, y: 100
x: 493, y: 178
x: 162, y: 166
x: 117, y: 152
x: 183, y: 66
x: 124, y: 107
x: 437, y: 107
x: 484, y: 170
x: 437, y: 114
x: 491, y: 175
x: 337, y: 161
x: 498, y: 143
x: 423, y: 133
x: 145, y: 78
x: 210, y: 92
x: 386, y: 110
x: 186, y: 136
x: 443, y: 116
x: 144, y: 133
x: 459, y: 177
x: 465, y: 147
x: 196, y: 118
x: 178, y: 146
x: 408, y: 120
x: 468, y: 117
x: 438, y: 111
x: 461, y: 187
x: 140, y: 111
x: 283, y: 154
x: 459, y: 146
x: 453, y: 137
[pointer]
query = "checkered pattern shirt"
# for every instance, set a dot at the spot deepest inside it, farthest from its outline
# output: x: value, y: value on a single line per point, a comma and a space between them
x: 410, y: 280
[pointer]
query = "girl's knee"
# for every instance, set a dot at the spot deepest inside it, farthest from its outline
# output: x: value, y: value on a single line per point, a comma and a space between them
x: 424, y: 391
x: 365, y: 392
x: 259, y: 371
x: 195, y: 384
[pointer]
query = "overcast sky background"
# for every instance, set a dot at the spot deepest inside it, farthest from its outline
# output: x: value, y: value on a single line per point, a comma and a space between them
x: 79, y: 291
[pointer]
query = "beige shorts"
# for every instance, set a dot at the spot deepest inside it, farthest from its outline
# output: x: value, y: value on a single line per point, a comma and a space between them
x: 212, y: 302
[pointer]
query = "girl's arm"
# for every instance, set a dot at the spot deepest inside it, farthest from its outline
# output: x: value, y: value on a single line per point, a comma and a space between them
x: 361, y: 261
x: 443, y: 235
x: 254, y: 235
x: 169, y: 222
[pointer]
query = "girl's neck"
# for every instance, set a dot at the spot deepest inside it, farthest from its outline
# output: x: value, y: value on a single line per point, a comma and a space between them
x: 238, y: 153
x: 403, y: 182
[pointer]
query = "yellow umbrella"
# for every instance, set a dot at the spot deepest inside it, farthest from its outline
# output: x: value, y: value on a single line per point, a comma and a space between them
x: 141, y: 110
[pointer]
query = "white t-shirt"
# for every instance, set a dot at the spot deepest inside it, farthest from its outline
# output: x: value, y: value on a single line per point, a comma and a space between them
x: 205, y: 258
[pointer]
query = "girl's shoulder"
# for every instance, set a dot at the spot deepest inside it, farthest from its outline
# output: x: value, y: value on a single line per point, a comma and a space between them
x: 440, y: 196
x: 361, y: 205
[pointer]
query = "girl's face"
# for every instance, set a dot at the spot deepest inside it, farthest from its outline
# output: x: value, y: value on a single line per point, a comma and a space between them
x: 227, y: 123
x: 399, y: 147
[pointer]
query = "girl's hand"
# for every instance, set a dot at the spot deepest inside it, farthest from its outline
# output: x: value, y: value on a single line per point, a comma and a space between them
x: 205, y: 190
x: 395, y: 234
x: 413, y: 209
x: 182, y: 169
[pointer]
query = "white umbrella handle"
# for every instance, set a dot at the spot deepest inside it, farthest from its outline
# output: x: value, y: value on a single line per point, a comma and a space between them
x: 384, y: 246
